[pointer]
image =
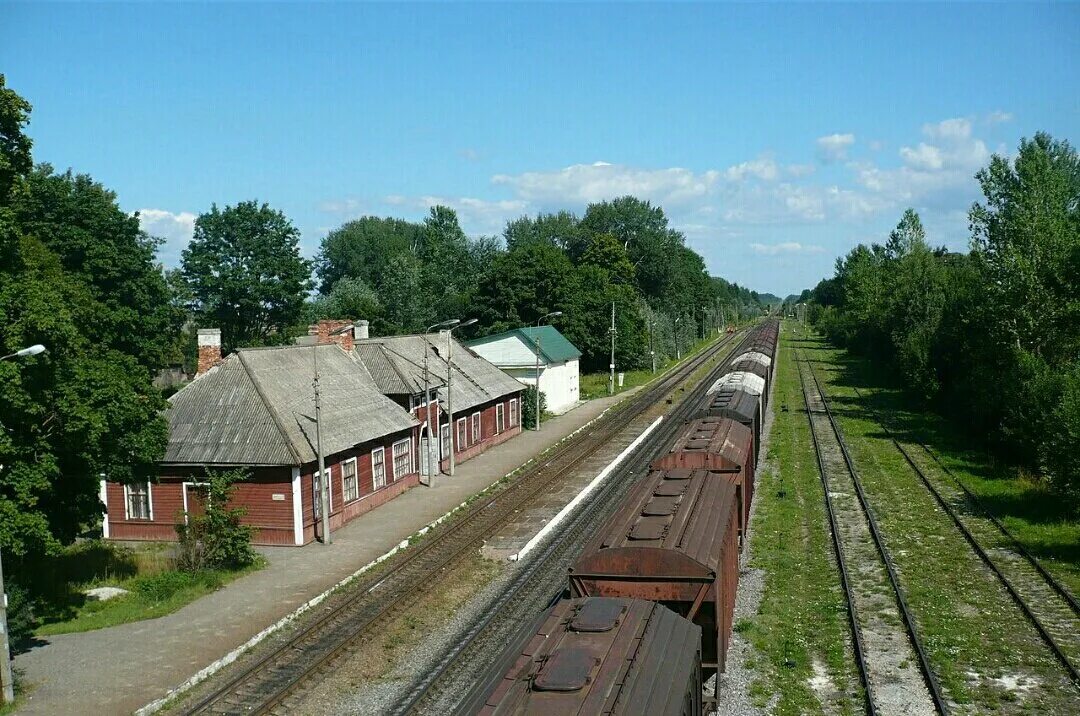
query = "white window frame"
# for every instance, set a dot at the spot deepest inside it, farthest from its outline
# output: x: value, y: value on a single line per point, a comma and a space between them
x: 356, y: 480
x: 407, y: 442
x: 461, y: 436
x: 316, y: 493
x: 500, y: 418
x: 475, y: 429
x: 149, y: 502
x: 513, y: 412
x: 374, y: 482
x: 444, y: 440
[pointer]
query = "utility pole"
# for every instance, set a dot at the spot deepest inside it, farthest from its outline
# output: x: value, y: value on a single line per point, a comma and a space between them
x: 611, y: 380
x: 678, y: 352
x: 428, y: 467
x: 652, y: 348
x: 449, y: 399
x: 536, y: 343
x: 723, y: 319
x: 324, y: 484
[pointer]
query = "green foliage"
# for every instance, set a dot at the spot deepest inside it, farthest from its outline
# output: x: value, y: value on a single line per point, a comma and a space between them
x: 992, y: 336
x: 528, y: 407
x: 216, y: 539
x: 160, y: 587
x: 15, y: 146
x: 20, y: 617
x: 245, y: 274
x: 360, y: 250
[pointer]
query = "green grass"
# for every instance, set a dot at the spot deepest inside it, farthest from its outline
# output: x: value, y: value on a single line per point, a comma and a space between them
x: 972, y: 631
x: 802, y: 618
x: 595, y: 385
x: 155, y: 587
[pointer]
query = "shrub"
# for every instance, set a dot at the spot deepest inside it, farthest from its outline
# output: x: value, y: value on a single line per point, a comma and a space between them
x: 528, y: 407
x: 216, y: 539
x: 20, y: 617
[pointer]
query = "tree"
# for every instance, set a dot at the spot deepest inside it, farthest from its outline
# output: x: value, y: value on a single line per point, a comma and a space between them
x: 360, y: 249
x: 15, y: 146
x: 217, y: 538
x: 103, y: 248
x: 521, y: 286
x: 560, y: 229
x: 350, y: 298
x: 606, y: 253
x: 244, y: 269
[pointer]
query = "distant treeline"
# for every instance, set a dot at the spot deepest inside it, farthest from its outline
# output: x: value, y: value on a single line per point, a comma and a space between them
x: 992, y: 337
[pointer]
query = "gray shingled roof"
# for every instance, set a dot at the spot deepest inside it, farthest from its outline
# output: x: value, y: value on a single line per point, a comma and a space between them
x: 474, y: 381
x: 397, y: 374
x: 258, y: 408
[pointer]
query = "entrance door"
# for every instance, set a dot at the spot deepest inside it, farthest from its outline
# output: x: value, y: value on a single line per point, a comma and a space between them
x: 195, y: 497
x: 425, y: 456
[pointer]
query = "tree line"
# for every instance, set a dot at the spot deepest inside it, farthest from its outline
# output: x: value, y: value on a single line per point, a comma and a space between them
x: 990, y: 336
x: 78, y: 275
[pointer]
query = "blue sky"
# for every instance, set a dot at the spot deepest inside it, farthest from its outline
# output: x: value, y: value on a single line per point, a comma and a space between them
x: 775, y: 137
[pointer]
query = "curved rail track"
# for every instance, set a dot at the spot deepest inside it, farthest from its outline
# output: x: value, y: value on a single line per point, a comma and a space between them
x: 880, y: 664
x: 1059, y: 625
x: 262, y: 686
x: 539, y: 583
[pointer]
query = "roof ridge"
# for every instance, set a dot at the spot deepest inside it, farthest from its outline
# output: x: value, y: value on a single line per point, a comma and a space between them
x: 270, y: 408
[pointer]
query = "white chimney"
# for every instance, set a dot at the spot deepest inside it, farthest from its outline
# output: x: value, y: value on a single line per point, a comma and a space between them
x: 360, y: 330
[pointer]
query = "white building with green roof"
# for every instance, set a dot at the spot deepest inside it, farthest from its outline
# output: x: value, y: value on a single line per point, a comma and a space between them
x: 515, y: 352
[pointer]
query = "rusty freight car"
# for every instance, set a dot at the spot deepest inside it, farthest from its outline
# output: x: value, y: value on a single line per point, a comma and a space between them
x: 722, y: 446
x: 604, y: 656
x: 674, y: 539
x: 738, y: 405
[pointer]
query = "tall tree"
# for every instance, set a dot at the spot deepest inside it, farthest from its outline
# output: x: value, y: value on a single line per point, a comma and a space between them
x: 245, y: 271
x: 360, y: 249
x: 560, y: 229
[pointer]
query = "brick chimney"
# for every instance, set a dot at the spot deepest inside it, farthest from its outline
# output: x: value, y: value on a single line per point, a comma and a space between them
x: 326, y: 327
x: 209, y: 349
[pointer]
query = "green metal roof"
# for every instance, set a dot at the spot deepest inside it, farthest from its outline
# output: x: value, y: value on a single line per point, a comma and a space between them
x: 553, y: 345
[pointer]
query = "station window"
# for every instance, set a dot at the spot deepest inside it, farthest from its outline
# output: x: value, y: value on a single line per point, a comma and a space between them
x: 378, y: 468
x: 350, y: 486
x: 402, y: 458
x: 476, y: 436
x: 500, y: 418
x: 137, y: 501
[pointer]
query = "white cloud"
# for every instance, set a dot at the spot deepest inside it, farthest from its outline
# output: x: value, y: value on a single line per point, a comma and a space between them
x: 925, y: 156
x: 800, y: 170
x: 588, y: 183
x: 999, y: 117
x: 788, y: 247
x: 175, y: 228
x: 834, y: 147
x: 764, y: 169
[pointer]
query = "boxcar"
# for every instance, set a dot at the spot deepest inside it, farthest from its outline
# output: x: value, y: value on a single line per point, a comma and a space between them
x: 756, y: 368
x: 741, y: 380
x: 722, y: 446
x: 674, y: 540
x: 738, y: 405
x: 604, y: 656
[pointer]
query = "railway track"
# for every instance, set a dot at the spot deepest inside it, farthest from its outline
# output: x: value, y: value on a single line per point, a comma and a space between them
x: 452, y: 686
x: 1044, y: 601
x: 875, y: 599
x: 264, y: 685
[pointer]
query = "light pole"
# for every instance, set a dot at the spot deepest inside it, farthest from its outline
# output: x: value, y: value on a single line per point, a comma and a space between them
x: 652, y: 348
x: 324, y: 483
x: 427, y: 396
x: 537, y: 342
x: 449, y: 399
x: 678, y: 353
x: 6, y: 682
x: 704, y: 310
x: 611, y: 380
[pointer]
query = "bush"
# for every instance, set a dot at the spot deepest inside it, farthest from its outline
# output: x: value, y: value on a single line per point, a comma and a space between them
x: 216, y: 539
x: 20, y: 616
x: 1062, y: 441
x: 528, y: 407
x: 161, y: 587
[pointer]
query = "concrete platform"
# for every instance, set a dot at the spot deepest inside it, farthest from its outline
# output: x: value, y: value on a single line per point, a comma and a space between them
x: 120, y: 669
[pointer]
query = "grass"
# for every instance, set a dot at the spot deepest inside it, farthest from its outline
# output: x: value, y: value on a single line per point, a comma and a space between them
x: 972, y: 631
x: 802, y: 619
x: 155, y: 588
x: 595, y: 385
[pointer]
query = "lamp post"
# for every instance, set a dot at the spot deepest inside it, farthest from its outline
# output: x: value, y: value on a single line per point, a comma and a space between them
x: 449, y: 395
x: 652, y: 348
x: 536, y: 343
x: 678, y: 353
x: 427, y: 394
x: 6, y: 682
x: 611, y: 380
x: 324, y: 484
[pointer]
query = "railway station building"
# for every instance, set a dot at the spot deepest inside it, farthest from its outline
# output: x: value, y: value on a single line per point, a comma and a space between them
x: 254, y: 410
x: 515, y: 352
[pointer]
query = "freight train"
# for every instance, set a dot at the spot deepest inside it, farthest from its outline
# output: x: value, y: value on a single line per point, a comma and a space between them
x: 651, y: 598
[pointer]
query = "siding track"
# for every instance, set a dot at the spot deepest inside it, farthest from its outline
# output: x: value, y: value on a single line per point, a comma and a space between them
x: 1046, y: 603
x: 264, y: 685
x: 876, y: 603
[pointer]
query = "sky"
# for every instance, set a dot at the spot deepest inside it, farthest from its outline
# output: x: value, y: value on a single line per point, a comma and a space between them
x: 776, y: 137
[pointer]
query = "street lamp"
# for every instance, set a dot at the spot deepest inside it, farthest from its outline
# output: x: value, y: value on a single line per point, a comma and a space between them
x: 8, y: 686
x: 536, y: 341
x: 678, y: 353
x: 427, y: 397
x: 453, y: 325
x: 324, y: 483
x: 652, y: 348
